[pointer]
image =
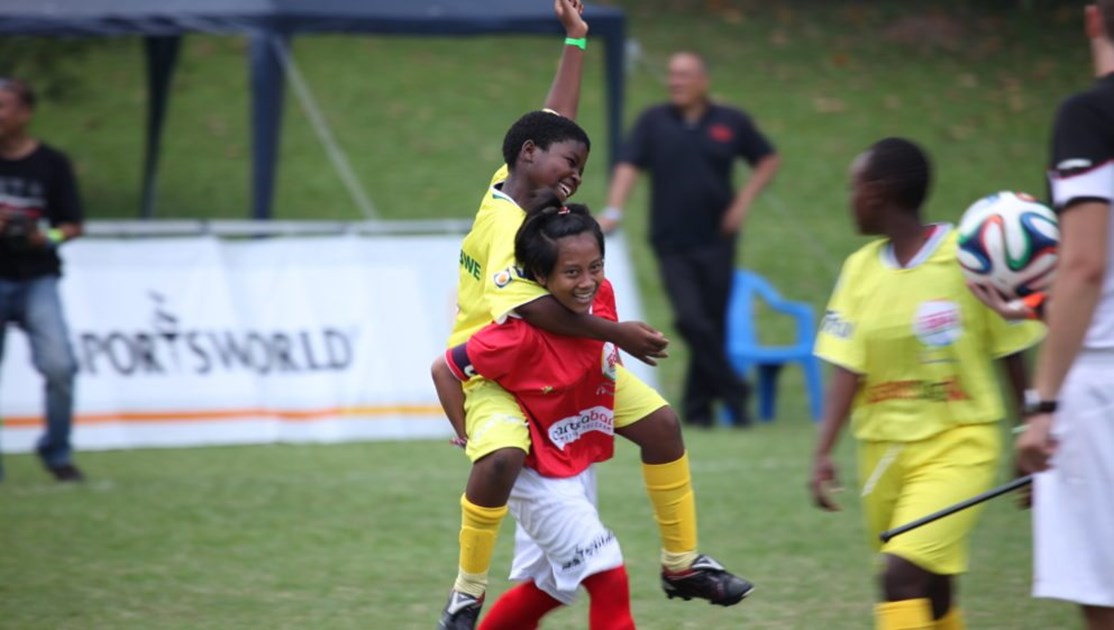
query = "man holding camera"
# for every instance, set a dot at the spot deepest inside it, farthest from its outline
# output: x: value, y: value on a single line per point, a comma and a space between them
x: 39, y: 210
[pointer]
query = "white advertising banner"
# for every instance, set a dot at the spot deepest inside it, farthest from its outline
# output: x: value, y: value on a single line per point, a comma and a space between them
x: 199, y: 340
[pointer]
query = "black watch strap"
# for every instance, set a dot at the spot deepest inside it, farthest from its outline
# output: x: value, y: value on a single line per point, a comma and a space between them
x: 1034, y: 405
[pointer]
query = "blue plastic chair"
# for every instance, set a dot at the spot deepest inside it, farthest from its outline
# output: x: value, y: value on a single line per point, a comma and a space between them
x: 745, y: 352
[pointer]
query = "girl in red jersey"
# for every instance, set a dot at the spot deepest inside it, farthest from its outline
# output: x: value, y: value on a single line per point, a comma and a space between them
x: 566, y: 387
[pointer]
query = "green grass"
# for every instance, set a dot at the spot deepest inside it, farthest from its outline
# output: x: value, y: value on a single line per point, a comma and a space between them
x: 363, y: 535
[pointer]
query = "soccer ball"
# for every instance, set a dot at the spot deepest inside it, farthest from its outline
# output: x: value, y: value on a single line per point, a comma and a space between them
x: 1007, y: 241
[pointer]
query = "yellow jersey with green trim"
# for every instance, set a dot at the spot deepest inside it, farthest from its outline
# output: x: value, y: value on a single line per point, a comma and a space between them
x: 922, y: 344
x: 490, y: 285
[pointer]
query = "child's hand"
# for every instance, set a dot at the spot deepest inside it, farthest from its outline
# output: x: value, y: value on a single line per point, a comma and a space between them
x: 568, y: 11
x: 1011, y: 310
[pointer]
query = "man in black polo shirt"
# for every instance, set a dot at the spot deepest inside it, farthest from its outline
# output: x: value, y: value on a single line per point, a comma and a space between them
x: 39, y: 210
x: 689, y: 147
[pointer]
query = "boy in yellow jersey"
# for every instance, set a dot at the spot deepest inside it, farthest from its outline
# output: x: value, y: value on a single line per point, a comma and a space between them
x: 547, y: 151
x: 912, y: 350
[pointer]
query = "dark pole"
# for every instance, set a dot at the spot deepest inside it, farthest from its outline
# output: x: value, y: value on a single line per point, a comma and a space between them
x: 162, y: 56
x: 267, y: 90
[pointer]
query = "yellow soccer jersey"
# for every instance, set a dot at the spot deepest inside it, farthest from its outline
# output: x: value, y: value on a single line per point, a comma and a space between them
x: 921, y: 342
x: 490, y: 285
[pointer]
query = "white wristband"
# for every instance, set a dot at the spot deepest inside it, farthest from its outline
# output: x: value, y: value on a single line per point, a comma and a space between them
x: 611, y: 213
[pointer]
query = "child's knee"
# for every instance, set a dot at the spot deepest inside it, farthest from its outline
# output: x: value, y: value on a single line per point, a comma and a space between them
x: 901, y: 579
x: 502, y: 465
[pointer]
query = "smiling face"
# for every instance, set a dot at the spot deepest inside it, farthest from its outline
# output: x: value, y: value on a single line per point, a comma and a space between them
x: 558, y: 167
x: 578, y: 272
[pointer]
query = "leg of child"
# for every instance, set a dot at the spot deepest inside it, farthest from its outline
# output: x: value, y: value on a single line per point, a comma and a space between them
x: 610, y: 600
x: 520, y: 608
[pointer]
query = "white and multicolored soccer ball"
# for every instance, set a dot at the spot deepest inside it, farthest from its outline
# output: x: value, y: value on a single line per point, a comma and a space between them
x: 1008, y: 241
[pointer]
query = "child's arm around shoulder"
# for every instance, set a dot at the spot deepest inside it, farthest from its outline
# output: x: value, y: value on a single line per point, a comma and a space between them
x: 637, y: 339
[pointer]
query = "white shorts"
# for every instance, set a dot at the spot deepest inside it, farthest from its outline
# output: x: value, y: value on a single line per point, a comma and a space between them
x: 1073, y: 502
x: 559, y: 539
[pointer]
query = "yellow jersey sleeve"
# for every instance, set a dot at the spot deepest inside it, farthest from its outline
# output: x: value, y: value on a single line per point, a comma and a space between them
x: 839, y: 340
x: 507, y: 287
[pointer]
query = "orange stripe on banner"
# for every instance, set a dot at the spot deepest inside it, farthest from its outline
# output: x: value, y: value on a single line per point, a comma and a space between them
x: 294, y: 415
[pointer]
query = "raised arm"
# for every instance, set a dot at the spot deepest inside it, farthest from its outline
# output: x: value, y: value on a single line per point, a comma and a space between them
x: 564, y: 94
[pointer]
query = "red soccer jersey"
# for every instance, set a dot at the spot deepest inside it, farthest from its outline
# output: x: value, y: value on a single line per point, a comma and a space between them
x: 565, y: 386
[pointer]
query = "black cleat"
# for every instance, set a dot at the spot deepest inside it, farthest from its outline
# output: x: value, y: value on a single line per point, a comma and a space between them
x: 66, y: 473
x: 461, y: 612
x: 706, y: 579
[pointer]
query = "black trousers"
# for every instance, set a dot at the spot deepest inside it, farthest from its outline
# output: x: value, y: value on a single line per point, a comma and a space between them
x: 698, y: 283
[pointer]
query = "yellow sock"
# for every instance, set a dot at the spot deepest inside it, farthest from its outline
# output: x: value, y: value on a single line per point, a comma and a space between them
x: 953, y: 620
x: 907, y: 614
x: 670, y: 489
x: 478, y: 528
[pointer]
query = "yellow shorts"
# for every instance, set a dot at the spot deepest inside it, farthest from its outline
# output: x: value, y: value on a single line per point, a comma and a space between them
x: 493, y: 419
x: 903, y: 481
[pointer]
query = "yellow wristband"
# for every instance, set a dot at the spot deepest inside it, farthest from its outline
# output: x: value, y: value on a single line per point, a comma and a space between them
x: 581, y: 43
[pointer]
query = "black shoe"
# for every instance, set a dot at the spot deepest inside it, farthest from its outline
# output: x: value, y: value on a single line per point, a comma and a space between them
x: 461, y: 612
x: 706, y: 579
x: 66, y: 473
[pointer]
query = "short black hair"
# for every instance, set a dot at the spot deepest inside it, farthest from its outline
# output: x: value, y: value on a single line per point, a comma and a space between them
x: 902, y: 168
x: 21, y: 89
x: 544, y: 128
x: 535, y: 244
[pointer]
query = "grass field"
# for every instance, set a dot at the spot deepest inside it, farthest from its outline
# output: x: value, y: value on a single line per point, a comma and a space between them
x: 358, y: 535
x: 363, y: 536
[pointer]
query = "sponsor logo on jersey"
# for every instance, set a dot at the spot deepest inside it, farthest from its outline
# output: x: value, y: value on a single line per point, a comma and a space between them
x: 937, y: 323
x: 610, y: 361
x: 833, y: 324
x: 503, y: 278
x: 946, y: 390
x: 571, y: 429
x: 506, y: 276
x: 936, y: 355
x: 470, y: 265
